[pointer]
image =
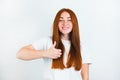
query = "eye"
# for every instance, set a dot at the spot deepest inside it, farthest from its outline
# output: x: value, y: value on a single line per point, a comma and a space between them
x: 61, y: 20
x: 69, y: 19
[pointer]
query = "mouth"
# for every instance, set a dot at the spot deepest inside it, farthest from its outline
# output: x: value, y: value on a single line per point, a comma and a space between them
x: 65, y: 28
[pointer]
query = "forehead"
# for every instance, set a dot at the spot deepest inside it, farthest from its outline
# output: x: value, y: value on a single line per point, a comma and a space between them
x: 65, y: 14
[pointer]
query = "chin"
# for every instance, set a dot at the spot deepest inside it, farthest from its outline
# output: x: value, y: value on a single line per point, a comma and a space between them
x: 65, y: 33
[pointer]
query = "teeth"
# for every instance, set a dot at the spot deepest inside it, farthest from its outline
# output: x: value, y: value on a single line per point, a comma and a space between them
x: 65, y: 27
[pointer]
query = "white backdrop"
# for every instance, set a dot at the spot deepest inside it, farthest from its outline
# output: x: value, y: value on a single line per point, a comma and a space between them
x: 25, y: 21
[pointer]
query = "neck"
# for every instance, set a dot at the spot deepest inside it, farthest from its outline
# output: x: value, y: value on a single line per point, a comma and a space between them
x: 65, y: 37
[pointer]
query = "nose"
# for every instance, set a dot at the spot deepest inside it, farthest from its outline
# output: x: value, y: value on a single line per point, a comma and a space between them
x: 65, y: 22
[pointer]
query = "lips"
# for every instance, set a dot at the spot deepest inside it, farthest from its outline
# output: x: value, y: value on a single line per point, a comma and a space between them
x: 65, y: 28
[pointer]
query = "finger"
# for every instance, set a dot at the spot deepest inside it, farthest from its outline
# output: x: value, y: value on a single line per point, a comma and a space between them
x: 54, y: 57
x: 58, y: 54
x: 59, y: 50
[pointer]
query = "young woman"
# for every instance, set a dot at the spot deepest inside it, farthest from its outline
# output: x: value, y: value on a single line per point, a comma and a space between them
x: 62, y: 53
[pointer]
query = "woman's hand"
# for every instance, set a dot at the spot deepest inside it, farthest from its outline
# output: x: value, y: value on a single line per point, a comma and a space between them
x: 53, y: 52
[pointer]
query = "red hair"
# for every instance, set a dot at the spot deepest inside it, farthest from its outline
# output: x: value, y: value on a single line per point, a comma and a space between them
x: 74, y: 57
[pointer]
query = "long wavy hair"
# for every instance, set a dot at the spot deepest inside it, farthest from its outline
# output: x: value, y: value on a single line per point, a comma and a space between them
x: 74, y: 58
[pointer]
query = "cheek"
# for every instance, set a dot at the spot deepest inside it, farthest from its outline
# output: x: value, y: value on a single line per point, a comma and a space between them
x: 71, y: 25
x: 59, y: 25
x: 71, y: 28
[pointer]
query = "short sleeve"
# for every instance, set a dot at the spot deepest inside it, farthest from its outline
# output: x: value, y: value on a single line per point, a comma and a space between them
x: 42, y: 44
x: 86, y: 57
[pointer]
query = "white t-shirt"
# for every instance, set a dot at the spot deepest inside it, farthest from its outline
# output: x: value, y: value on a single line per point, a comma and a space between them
x: 57, y: 74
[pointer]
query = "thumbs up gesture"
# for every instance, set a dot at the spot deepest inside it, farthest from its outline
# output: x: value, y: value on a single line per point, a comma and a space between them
x: 52, y: 52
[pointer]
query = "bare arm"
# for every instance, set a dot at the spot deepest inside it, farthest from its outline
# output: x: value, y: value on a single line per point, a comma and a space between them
x: 85, y: 72
x: 29, y: 53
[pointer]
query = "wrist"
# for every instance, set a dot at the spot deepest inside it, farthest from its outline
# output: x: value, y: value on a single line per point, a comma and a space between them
x: 44, y: 53
x: 41, y: 53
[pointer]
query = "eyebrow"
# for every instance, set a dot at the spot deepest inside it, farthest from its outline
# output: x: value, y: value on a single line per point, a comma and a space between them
x: 62, y: 17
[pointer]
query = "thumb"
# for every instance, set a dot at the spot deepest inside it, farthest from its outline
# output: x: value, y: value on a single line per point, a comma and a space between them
x: 54, y: 44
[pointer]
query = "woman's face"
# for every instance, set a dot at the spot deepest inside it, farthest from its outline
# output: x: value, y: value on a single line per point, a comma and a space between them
x: 65, y: 24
